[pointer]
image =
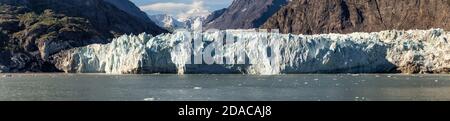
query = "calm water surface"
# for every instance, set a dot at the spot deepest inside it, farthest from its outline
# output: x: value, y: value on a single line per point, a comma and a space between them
x: 233, y: 87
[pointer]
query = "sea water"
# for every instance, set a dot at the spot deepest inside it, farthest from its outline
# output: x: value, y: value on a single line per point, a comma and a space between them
x: 227, y: 87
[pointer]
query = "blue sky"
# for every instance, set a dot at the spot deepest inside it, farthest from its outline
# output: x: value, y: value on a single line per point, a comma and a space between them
x: 181, y: 8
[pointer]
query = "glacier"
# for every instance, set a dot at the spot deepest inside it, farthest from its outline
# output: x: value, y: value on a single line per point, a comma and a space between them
x: 265, y: 53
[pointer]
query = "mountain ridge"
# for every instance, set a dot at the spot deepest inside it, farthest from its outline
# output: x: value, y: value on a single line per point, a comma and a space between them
x: 347, y: 16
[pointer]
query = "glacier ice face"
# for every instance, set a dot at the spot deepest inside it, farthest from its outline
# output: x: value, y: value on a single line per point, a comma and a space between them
x: 413, y: 51
x: 419, y: 51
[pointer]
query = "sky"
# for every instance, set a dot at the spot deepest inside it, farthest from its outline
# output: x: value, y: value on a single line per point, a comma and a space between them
x: 181, y: 8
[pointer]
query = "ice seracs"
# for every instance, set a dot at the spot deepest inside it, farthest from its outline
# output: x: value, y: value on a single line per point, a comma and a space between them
x: 413, y: 51
x: 419, y: 51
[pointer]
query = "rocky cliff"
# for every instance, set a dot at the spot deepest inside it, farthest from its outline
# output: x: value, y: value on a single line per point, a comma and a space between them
x: 346, y: 16
x: 33, y: 30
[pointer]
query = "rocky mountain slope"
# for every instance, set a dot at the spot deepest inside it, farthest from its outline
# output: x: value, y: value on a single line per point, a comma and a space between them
x: 130, y: 8
x: 214, y: 15
x: 346, y: 16
x: 33, y: 30
x: 244, y: 14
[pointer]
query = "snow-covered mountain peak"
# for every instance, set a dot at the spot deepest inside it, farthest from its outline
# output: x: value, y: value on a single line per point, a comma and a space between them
x: 171, y: 23
x: 167, y: 21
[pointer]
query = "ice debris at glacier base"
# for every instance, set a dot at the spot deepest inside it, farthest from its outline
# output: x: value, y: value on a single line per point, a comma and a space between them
x: 413, y: 51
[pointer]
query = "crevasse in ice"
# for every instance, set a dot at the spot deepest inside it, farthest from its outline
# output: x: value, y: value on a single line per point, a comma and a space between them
x: 413, y: 51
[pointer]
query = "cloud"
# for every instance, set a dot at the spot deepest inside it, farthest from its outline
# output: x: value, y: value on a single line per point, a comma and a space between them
x: 165, y: 6
x: 181, y: 10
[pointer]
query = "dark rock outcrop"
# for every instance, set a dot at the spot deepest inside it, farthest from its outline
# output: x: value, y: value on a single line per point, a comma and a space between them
x: 33, y: 30
x: 245, y: 14
x: 346, y: 16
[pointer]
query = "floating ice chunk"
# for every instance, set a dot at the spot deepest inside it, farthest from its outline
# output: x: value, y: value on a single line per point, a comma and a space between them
x: 7, y: 76
x: 149, y: 99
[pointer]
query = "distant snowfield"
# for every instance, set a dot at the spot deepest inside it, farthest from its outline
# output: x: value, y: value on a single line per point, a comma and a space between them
x: 263, y: 53
x: 171, y: 23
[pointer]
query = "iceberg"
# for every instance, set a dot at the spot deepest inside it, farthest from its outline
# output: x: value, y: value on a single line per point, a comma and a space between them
x: 264, y: 53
